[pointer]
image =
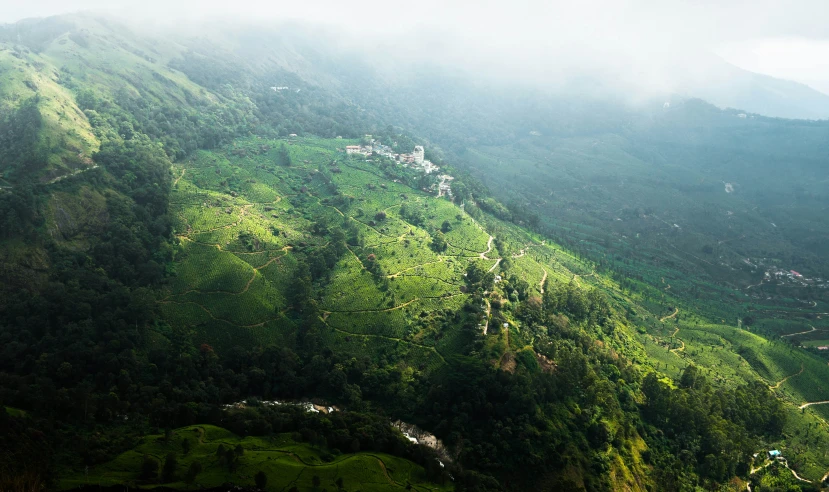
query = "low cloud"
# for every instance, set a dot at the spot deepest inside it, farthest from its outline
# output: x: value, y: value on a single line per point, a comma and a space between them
x: 645, y: 46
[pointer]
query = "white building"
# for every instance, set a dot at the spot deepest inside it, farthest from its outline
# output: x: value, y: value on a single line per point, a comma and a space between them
x: 352, y: 149
x: 418, y: 154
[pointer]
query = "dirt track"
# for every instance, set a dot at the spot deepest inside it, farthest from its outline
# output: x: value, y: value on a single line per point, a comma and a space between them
x: 672, y: 315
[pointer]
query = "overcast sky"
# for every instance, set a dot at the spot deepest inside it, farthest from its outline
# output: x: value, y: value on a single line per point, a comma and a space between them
x: 788, y: 39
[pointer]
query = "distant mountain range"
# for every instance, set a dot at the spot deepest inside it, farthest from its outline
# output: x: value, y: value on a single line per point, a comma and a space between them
x: 729, y: 86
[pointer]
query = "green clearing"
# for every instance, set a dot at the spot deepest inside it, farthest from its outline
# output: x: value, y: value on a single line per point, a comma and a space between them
x: 285, y: 462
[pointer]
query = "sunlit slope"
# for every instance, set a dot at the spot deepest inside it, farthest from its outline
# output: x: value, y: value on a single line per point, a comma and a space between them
x: 80, y: 67
x: 241, y: 219
x: 286, y: 463
x: 246, y: 224
x: 64, y: 61
x: 65, y: 134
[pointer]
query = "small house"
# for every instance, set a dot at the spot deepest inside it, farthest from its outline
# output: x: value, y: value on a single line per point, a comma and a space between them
x: 352, y: 149
x: 774, y: 454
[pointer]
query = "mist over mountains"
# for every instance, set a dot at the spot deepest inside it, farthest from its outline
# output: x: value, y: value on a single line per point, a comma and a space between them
x: 632, y: 72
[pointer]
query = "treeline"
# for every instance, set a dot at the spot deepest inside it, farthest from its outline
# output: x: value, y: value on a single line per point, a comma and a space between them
x: 344, y: 432
x: 19, y: 214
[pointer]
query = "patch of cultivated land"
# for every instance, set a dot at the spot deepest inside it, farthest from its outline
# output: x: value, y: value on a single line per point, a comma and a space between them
x: 241, y: 220
x: 285, y: 462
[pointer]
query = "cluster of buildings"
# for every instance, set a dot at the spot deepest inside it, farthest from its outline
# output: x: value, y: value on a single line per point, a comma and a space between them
x: 416, y: 160
x: 779, y: 275
x: 791, y: 276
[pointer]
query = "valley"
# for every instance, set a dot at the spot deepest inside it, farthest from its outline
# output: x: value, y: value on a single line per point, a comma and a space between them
x: 607, y: 295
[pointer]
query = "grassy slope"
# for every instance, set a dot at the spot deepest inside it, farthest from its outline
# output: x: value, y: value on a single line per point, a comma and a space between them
x: 26, y: 73
x: 705, y: 290
x: 285, y: 462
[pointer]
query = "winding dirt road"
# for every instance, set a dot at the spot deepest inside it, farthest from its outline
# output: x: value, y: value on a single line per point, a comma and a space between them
x: 488, y: 248
x: 184, y: 170
x: 800, y: 333
x: 786, y: 464
x: 774, y: 387
x: 681, y: 348
x: 813, y: 403
x: 672, y: 315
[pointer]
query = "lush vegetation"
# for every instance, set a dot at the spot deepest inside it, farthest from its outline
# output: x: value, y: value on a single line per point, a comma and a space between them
x: 180, y: 236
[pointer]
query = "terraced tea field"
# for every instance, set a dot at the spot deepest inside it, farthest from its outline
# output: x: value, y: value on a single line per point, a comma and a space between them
x: 243, y: 221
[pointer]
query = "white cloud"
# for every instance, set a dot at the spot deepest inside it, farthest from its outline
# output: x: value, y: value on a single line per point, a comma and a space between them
x: 800, y: 59
x: 636, y: 40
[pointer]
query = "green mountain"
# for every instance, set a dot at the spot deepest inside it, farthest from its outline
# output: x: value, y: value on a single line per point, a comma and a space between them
x: 186, y: 241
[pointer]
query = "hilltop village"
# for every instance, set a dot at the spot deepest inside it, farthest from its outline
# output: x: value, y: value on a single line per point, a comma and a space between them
x: 414, y: 160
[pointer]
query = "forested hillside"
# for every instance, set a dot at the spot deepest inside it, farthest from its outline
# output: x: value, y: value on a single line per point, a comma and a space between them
x: 203, y: 287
